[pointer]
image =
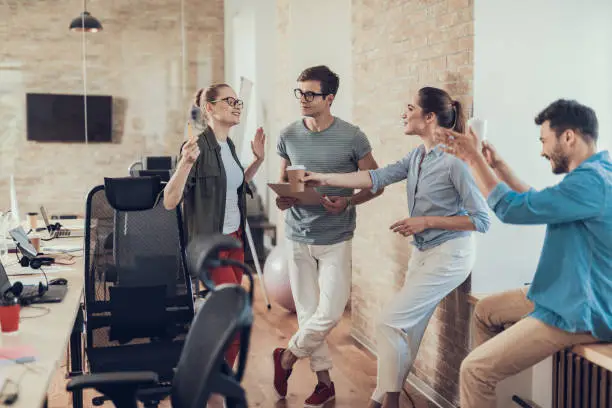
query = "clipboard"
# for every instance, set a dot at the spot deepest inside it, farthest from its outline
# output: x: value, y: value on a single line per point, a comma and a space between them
x: 309, y: 196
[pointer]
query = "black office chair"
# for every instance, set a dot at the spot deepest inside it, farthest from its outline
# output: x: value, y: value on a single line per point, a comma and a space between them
x: 138, y: 295
x: 201, y: 370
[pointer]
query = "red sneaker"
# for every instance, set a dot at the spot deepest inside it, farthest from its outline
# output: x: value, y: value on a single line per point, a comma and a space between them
x: 322, y: 394
x: 280, y: 374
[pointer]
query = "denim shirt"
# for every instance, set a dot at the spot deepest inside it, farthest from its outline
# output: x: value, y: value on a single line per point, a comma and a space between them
x: 437, y: 184
x: 572, y: 286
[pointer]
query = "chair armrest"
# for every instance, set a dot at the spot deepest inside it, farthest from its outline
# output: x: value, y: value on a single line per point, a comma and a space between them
x: 523, y: 403
x: 124, y: 379
x: 203, y: 254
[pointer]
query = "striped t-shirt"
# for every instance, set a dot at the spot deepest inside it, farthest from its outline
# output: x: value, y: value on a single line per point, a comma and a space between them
x: 336, y: 149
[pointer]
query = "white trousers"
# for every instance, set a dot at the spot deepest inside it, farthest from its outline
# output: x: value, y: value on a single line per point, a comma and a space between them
x: 432, y: 274
x: 320, y: 277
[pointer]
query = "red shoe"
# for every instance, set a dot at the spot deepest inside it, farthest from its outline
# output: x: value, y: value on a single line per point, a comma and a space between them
x: 322, y: 394
x: 280, y: 374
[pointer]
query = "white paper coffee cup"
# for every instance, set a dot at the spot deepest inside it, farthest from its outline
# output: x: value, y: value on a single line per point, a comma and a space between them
x: 296, y: 167
x: 479, y: 126
x: 295, y: 175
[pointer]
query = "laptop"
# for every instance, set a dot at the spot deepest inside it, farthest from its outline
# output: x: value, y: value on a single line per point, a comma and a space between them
x: 29, y: 295
x: 20, y: 236
x: 57, y: 231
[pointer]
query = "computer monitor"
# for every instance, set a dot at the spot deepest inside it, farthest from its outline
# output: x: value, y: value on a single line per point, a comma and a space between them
x: 21, y: 238
x: 158, y: 162
x: 164, y: 175
x: 43, y: 211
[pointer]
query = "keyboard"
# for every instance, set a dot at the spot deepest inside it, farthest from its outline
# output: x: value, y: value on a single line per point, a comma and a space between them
x: 62, y: 233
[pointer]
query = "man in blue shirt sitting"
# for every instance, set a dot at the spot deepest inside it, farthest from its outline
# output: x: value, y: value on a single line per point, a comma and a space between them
x: 570, y: 299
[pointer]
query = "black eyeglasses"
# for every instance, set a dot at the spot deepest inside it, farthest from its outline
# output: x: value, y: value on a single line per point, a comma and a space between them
x: 233, y: 102
x: 308, y: 95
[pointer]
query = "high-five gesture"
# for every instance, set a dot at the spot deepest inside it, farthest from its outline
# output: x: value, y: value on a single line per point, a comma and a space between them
x: 258, y: 145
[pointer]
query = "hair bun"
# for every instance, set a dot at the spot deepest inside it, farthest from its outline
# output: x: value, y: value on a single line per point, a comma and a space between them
x: 198, y: 97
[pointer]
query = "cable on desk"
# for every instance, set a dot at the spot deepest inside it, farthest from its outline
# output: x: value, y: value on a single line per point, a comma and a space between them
x: 8, y: 397
x: 45, y: 312
x: 69, y: 255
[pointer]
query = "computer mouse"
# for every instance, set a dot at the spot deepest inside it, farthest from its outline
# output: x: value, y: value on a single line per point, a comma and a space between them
x: 58, y: 281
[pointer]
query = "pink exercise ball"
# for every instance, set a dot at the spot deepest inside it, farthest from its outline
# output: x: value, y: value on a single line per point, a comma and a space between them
x: 276, y: 279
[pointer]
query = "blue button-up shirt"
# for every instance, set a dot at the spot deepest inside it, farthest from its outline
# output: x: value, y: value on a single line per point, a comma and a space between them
x: 572, y: 286
x: 441, y: 185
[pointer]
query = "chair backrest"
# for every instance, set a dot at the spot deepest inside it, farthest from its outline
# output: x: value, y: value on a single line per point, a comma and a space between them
x: 226, y: 312
x: 158, y: 163
x: 148, y: 250
x: 134, y: 250
x: 202, y: 369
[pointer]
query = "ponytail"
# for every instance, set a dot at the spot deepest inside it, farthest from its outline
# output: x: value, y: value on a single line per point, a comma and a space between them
x: 198, y: 98
x: 459, y: 125
x: 449, y: 113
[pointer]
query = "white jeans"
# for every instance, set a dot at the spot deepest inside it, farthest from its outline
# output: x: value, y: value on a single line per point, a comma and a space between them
x: 320, y: 278
x: 432, y: 274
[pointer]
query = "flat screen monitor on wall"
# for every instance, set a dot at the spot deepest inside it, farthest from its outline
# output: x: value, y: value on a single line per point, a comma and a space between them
x: 61, y: 118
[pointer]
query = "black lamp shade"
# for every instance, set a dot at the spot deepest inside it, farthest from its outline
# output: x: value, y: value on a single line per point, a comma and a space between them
x: 86, y: 22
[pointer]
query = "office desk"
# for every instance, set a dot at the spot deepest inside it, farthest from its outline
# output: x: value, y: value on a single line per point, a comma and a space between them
x: 48, y: 333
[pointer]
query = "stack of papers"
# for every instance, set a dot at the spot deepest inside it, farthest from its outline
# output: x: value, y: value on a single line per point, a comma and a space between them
x: 61, y: 248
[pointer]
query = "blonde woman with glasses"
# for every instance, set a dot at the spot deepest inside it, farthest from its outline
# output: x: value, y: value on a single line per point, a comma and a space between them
x: 212, y: 184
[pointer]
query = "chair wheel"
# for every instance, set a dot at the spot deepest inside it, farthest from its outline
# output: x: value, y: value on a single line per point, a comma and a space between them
x: 98, y: 401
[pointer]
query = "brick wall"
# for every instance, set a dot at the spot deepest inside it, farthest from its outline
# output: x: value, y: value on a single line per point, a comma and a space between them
x: 137, y: 58
x: 397, y: 49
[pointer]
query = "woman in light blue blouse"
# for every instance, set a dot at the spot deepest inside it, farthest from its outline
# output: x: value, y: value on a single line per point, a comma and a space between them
x: 445, y: 206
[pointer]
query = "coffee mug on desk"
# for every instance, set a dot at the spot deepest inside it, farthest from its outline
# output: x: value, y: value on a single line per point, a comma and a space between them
x: 35, y: 240
x: 33, y: 219
x: 9, y: 314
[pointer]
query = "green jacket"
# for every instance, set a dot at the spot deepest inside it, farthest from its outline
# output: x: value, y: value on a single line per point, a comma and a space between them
x: 205, y: 190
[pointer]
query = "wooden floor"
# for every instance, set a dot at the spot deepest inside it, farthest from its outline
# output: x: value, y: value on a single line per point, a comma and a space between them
x: 354, y: 372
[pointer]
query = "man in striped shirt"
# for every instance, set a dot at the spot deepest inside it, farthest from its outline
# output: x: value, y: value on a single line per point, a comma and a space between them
x: 318, y: 244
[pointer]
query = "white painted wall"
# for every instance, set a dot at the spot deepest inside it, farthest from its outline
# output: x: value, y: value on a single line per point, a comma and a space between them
x: 243, y: 28
x: 316, y: 37
x: 321, y: 32
x: 528, y: 54
x: 250, y: 29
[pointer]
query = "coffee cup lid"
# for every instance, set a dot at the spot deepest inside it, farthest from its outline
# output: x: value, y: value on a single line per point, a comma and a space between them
x: 296, y: 167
